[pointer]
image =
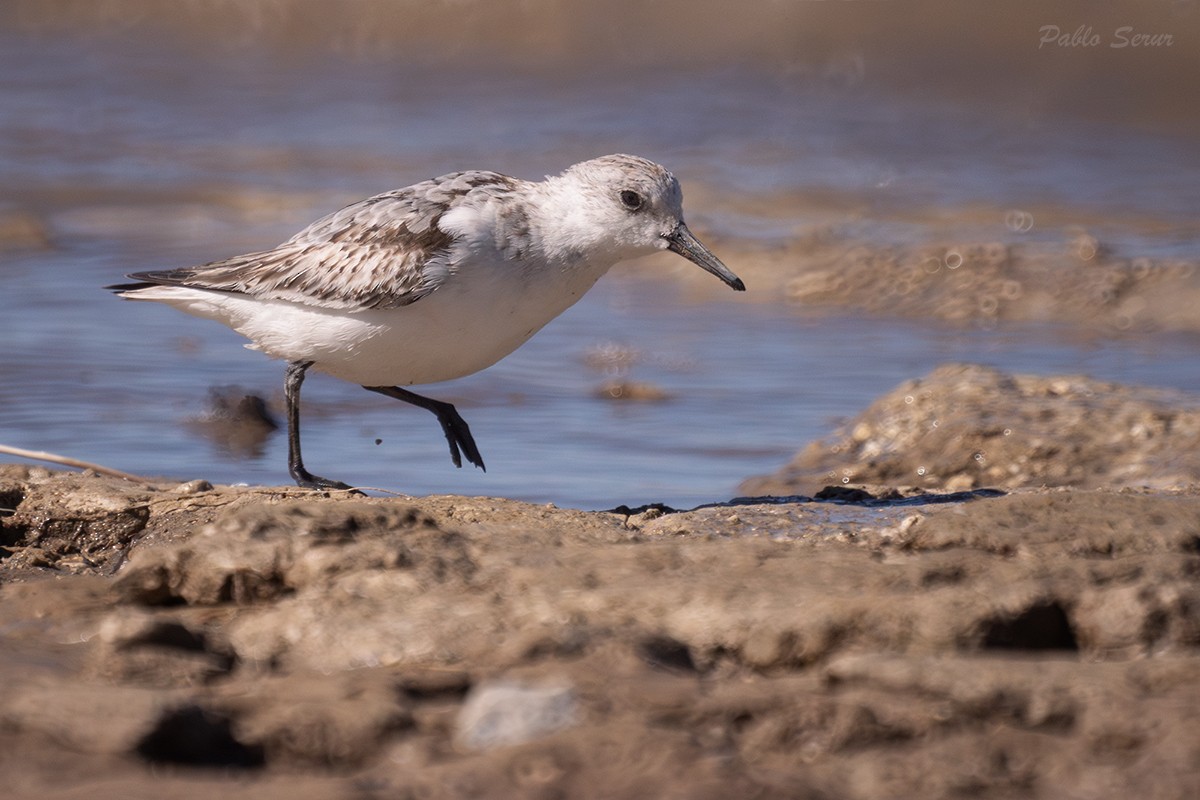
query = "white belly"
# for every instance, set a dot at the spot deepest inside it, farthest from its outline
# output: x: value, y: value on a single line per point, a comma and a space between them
x: 460, y: 328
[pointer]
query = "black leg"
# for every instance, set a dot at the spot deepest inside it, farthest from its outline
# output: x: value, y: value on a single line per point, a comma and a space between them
x: 291, y: 392
x: 454, y: 426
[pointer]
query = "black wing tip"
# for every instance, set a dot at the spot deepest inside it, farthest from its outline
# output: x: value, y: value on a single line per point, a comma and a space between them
x: 129, y: 287
x: 145, y: 280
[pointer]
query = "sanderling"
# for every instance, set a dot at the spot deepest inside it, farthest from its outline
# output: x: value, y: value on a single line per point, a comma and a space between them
x: 434, y: 281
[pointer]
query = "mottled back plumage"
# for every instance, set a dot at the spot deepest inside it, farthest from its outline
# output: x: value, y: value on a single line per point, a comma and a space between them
x: 383, y: 252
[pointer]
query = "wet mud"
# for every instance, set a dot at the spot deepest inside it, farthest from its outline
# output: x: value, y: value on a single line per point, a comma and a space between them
x: 183, y: 640
x: 967, y: 426
x: 1074, y: 279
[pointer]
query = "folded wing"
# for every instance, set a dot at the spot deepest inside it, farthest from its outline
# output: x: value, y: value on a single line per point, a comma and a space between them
x: 383, y: 252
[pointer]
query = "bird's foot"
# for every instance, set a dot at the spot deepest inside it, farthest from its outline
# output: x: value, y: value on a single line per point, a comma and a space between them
x: 306, y: 480
x: 458, y: 435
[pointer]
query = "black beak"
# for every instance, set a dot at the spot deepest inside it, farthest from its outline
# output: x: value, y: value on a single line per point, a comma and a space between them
x: 682, y: 241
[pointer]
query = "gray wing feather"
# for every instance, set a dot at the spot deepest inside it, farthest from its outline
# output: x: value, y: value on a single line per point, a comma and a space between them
x: 382, y: 252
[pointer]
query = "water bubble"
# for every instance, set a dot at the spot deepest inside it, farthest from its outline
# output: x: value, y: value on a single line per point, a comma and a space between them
x: 953, y: 259
x: 1018, y: 221
x: 979, y: 457
x: 845, y: 480
x: 908, y: 399
x: 1008, y: 431
x: 920, y: 470
x: 931, y: 264
x: 1086, y: 247
x: 935, y: 423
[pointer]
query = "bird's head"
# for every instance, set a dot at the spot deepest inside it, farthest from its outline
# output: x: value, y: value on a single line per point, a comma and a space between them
x: 625, y: 206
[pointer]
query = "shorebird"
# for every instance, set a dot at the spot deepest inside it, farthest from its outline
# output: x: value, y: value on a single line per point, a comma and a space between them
x: 434, y: 281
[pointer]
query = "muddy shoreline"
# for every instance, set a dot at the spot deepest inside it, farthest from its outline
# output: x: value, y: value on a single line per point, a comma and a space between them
x: 185, y: 640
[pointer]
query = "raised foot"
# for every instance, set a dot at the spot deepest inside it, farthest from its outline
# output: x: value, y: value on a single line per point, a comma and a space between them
x: 458, y: 435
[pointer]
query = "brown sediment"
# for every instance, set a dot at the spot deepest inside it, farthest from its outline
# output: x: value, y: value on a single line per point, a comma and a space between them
x: 23, y: 230
x: 184, y: 639
x: 965, y: 426
x: 235, y: 421
x: 1071, y: 278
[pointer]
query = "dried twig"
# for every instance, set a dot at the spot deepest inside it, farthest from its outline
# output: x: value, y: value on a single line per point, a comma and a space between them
x: 40, y: 455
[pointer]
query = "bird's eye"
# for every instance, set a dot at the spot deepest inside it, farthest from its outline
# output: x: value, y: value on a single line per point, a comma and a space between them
x: 631, y: 200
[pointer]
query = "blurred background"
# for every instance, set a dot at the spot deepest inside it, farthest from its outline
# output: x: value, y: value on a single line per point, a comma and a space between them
x: 901, y: 184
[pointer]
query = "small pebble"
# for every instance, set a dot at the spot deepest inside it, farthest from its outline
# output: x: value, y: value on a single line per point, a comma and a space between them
x: 503, y: 713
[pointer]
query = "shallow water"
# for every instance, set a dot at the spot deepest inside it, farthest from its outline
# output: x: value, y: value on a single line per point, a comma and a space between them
x: 137, y: 153
x: 746, y: 385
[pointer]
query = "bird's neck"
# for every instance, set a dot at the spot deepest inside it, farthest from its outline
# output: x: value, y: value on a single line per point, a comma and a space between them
x: 562, y: 232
